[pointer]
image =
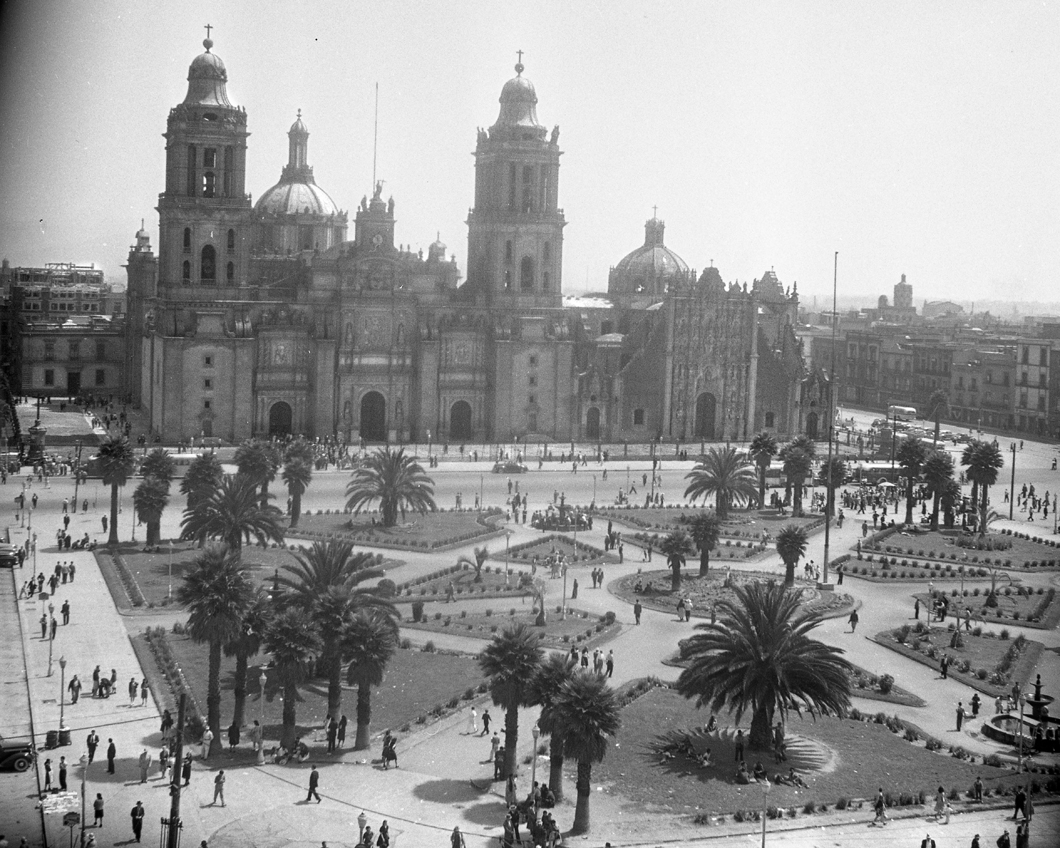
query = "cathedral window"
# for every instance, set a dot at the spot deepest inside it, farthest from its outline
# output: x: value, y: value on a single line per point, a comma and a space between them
x: 229, y: 169
x: 508, y: 252
x: 185, y: 271
x: 546, y: 281
x: 101, y: 377
x: 208, y: 264
x: 231, y: 240
x: 508, y: 278
x: 230, y: 272
x: 187, y: 239
x: 209, y: 157
x: 528, y: 189
x: 49, y: 377
x: 190, y: 187
x: 511, y: 186
x: 638, y: 417
x: 546, y: 253
x: 209, y: 184
x: 305, y: 237
x: 771, y: 419
x: 526, y: 273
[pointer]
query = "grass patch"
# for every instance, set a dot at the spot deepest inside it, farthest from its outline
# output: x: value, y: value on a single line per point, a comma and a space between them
x: 580, y: 628
x: 420, y: 533
x: 1010, y: 550
x: 538, y: 549
x: 432, y: 587
x: 740, y: 524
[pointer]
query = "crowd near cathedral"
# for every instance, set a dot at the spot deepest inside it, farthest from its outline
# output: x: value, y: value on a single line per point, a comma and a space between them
x: 271, y: 317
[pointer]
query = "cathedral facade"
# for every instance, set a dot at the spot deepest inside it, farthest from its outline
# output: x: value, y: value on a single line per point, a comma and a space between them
x: 270, y: 318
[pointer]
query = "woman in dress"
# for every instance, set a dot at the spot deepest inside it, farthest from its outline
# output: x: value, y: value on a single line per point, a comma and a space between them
x: 472, y: 722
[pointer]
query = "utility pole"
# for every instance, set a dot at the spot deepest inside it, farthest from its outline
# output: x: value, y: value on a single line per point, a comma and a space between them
x: 1012, y: 484
x: 173, y: 823
x: 829, y: 490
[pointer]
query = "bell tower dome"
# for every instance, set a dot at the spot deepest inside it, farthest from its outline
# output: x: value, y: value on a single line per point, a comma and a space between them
x: 515, y: 230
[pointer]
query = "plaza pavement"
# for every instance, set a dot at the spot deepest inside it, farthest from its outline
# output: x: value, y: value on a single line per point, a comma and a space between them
x: 443, y: 771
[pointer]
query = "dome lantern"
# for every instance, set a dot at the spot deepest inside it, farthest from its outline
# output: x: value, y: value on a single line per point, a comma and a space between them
x: 207, y: 80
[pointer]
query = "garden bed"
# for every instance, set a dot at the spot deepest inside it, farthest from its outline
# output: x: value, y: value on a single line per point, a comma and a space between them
x: 991, y: 664
x: 436, y: 584
x: 1025, y: 606
x: 580, y: 628
x: 747, y: 525
x: 1005, y: 549
x: 430, y: 532
x: 537, y: 550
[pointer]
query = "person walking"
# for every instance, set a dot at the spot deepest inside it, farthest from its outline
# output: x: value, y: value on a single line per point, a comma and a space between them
x: 472, y: 722
x: 944, y: 665
x: 314, y: 782
x: 853, y: 620
x: 54, y: 626
x: 1019, y: 803
x: 95, y: 681
x: 927, y: 842
x: 145, y: 763
x: 44, y: 625
x: 47, y: 775
x: 207, y: 738
x: 97, y: 810
x: 65, y: 610
x: 916, y: 609
x: 739, y: 745
x: 341, y: 738
x: 610, y: 663
x: 219, y: 787
x: 134, y: 688
x: 137, y: 814
x: 486, y: 719
x: 62, y: 774
x: 1003, y: 841
x: 457, y: 839
x: 163, y: 761
x: 880, y: 806
x: 145, y: 692
x: 75, y: 689
x: 960, y: 715
x: 185, y: 771
x: 637, y: 610
x: 92, y: 742
x: 495, y: 746
x: 112, y: 752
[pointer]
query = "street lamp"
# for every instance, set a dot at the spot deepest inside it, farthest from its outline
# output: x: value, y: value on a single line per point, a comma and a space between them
x: 536, y: 731
x: 1022, y: 701
x: 507, y: 537
x: 171, y: 570
x: 51, y: 635
x: 84, y: 777
x: 1012, y: 484
x: 261, y: 732
x: 362, y: 820
x: 62, y: 692
x: 765, y: 809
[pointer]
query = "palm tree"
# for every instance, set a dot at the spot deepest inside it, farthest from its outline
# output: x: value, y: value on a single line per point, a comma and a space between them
x: 939, y: 403
x: 675, y: 547
x: 293, y: 641
x: 299, y: 449
x: 545, y: 685
x: 117, y: 461
x: 588, y: 713
x: 791, y: 545
x: 797, y: 457
x: 984, y: 461
x: 481, y: 555
x: 158, y: 463
x: 938, y: 472
x: 245, y: 645
x: 217, y: 593
x: 705, y: 529
x: 759, y: 656
x: 763, y: 449
x: 832, y: 474
x: 395, y: 480
x: 233, y: 512
x: 949, y: 500
x: 510, y: 662
x: 149, y: 501
x: 911, y: 456
x: 203, y: 477
x: 370, y: 639
x: 296, y: 474
x: 259, y: 460
x: 324, y: 565
x: 726, y: 474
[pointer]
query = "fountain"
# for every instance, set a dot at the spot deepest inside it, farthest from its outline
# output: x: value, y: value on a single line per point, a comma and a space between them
x: 1008, y: 727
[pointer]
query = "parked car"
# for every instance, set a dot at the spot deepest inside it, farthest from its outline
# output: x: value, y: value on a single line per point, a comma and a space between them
x: 16, y: 755
x: 8, y: 555
x: 509, y: 467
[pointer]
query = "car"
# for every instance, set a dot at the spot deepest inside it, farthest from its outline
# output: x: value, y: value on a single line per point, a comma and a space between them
x: 509, y: 467
x: 8, y: 555
x: 16, y: 755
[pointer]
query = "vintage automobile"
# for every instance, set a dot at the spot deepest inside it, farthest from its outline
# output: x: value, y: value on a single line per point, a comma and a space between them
x: 509, y: 467
x: 16, y: 755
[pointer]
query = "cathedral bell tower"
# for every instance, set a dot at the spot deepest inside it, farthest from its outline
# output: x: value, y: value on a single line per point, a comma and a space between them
x: 515, y: 231
x: 204, y: 211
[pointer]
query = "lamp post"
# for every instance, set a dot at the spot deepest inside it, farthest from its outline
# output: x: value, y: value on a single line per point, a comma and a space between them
x: 262, y: 680
x: 536, y: 732
x: 51, y: 636
x: 62, y: 692
x: 829, y: 488
x: 765, y: 809
x: 362, y: 820
x: 84, y: 777
x: 1012, y: 484
x: 171, y: 570
x: 563, y: 600
x: 1022, y: 701
x: 507, y: 538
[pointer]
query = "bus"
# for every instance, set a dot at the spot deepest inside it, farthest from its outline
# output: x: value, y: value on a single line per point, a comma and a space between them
x: 901, y: 413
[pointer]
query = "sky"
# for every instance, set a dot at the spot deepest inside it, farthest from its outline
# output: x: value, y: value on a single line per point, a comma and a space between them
x: 917, y: 138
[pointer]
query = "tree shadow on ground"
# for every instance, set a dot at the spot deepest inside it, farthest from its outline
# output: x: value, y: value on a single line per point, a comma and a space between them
x: 447, y: 791
x: 487, y: 814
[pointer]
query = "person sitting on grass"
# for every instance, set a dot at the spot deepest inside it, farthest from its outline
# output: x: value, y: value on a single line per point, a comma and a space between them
x: 760, y: 772
x: 712, y: 724
x: 705, y: 759
x: 791, y: 779
x: 742, y: 774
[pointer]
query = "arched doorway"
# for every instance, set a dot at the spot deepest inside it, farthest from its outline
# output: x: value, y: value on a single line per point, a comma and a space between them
x: 460, y: 420
x: 811, y: 425
x: 280, y: 419
x: 592, y: 423
x: 706, y: 406
x: 373, y: 417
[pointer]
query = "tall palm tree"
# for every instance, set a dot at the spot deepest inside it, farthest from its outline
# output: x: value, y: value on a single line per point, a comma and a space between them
x: 763, y: 449
x: 545, y: 685
x: 245, y: 645
x: 949, y: 500
x: 797, y: 457
x: 984, y: 461
x: 117, y: 460
x: 911, y: 456
x: 217, y: 593
x: 259, y: 460
x: 370, y: 639
x: 326, y: 564
x: 791, y: 545
x: 149, y: 501
x: 759, y: 656
x: 675, y: 547
x: 202, y: 477
x: 299, y: 449
x: 588, y: 714
x: 725, y: 474
x: 939, y: 403
x: 510, y: 662
x: 233, y: 512
x: 705, y: 530
x: 296, y: 474
x: 832, y: 474
x: 293, y: 641
x: 158, y: 463
x: 938, y: 472
x: 395, y: 480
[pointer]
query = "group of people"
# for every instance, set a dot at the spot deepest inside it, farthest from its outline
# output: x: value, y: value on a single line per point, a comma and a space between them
x: 543, y: 831
x: 602, y: 664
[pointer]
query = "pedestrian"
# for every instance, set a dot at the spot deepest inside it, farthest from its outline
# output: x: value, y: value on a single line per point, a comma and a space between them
x: 977, y: 788
x: 975, y: 705
x: 65, y: 609
x: 853, y: 620
x: 97, y: 810
x: 472, y: 722
x: 167, y: 725
x: 314, y: 781
x: 163, y: 761
x: 103, y: 521
x: 637, y: 610
x: 574, y: 590
x: 498, y: 761
x: 975, y: 841
x: 233, y: 736
x: 137, y: 814
x: 93, y: 741
x: 112, y: 752
x: 1020, y: 803
x: 941, y: 807
x: 134, y: 689
x: 95, y: 681
x: 610, y: 662
x: 495, y: 746
x: 927, y: 842
x: 960, y: 715
x: 75, y: 689
x: 1003, y: 841
x: 207, y: 739
x: 342, y: 731
x: 185, y: 771
x: 486, y: 719
x: 44, y: 626
x: 944, y: 664
x: 219, y: 787
x: 739, y: 745
x: 145, y: 764
x: 880, y: 806
x: 54, y: 626
x: 145, y: 692
x: 62, y: 774
x: 47, y: 775
x: 383, y: 841
x: 457, y: 839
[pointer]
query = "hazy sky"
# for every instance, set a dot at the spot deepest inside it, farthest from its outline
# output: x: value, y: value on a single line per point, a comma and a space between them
x: 919, y: 138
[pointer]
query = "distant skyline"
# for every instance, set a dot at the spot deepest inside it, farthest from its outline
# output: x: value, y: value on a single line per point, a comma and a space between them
x: 913, y: 138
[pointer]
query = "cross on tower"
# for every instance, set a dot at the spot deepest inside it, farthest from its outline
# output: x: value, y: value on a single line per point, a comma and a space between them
x: 208, y: 27
x: 519, y: 53
x: 655, y: 212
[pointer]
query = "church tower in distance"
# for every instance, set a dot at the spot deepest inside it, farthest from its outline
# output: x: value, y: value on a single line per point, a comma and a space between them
x: 515, y: 231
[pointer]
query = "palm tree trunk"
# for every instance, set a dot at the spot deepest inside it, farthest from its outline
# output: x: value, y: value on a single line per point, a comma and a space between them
x: 334, y: 669
x: 154, y: 531
x: 761, y: 487
x: 555, y: 771
x: 796, y: 500
x: 789, y: 573
x: 239, y: 691
x: 704, y: 562
x: 675, y: 576
x: 511, y: 739
x: 581, y: 810
x: 982, y: 510
x: 909, y: 500
x: 296, y: 507
x: 761, y: 736
x: 935, y: 512
x: 290, y: 716
x: 112, y: 539
x: 213, y: 697
x: 364, y: 716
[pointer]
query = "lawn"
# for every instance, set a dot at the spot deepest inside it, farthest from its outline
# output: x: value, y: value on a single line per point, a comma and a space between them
x: 707, y: 591
x: 1005, y: 549
x: 739, y: 525
x: 984, y: 662
x: 1029, y: 607
x: 856, y: 758
x: 538, y: 549
x: 579, y: 628
x: 415, y: 684
x: 462, y: 576
x: 416, y: 532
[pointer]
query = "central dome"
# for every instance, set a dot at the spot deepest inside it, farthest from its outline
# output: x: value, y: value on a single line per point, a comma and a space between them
x: 295, y: 199
x: 649, y: 269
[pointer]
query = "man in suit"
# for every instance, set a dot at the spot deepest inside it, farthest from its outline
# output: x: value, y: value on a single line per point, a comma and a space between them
x: 314, y: 781
x: 927, y: 842
x: 137, y: 814
x: 112, y: 752
x: 93, y: 742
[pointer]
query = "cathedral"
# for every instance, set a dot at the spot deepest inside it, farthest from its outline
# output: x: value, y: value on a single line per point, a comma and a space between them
x: 269, y: 318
